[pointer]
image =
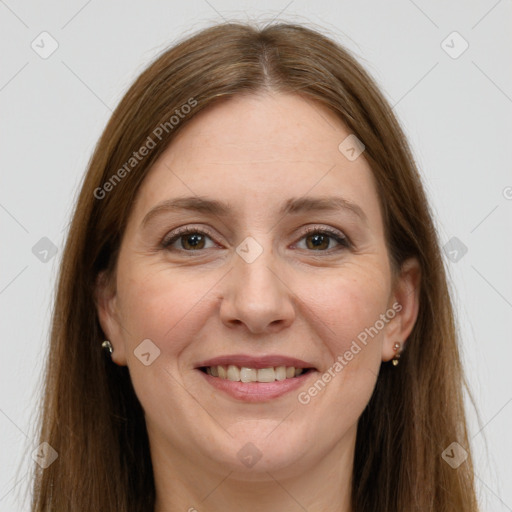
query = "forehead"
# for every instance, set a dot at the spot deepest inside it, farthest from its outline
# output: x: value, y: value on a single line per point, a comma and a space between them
x: 257, y: 151
x: 259, y: 128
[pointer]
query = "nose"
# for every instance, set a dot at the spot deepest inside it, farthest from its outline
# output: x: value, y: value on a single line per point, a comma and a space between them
x: 256, y: 295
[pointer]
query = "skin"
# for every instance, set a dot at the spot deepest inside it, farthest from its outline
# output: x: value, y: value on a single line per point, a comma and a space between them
x: 255, y: 152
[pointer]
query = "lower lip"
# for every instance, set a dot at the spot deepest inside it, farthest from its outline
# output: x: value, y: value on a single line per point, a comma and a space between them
x: 257, y: 391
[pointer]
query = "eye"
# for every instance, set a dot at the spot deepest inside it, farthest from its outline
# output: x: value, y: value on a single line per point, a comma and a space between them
x: 319, y: 239
x: 192, y: 239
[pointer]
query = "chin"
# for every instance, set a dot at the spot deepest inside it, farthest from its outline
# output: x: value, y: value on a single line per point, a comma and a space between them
x: 252, y: 455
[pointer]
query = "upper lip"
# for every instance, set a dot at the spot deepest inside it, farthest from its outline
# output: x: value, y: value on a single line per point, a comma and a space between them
x: 256, y: 362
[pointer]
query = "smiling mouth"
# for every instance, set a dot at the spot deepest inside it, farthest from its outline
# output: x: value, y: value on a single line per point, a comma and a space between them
x: 245, y: 374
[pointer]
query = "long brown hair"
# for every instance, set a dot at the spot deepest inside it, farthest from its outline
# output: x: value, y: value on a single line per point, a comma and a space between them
x: 91, y: 415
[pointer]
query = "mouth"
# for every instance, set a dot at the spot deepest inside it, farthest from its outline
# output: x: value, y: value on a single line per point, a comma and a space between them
x: 235, y: 373
x: 255, y: 379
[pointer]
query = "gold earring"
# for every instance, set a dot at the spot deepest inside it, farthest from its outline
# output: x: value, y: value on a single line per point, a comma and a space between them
x: 396, y: 347
x: 107, y: 346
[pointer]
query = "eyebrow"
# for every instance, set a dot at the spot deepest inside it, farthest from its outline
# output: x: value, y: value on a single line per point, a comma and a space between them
x: 292, y: 206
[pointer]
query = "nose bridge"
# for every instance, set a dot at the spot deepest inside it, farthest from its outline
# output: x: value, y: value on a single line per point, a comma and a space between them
x: 255, y: 269
x: 257, y: 295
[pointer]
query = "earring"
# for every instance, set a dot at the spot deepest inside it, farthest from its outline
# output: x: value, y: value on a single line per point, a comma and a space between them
x: 396, y: 347
x: 106, y: 345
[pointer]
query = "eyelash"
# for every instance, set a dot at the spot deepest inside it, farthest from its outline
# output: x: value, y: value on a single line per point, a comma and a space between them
x: 177, y: 234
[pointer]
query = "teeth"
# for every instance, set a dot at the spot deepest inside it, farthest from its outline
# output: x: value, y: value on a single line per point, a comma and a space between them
x: 280, y: 372
x: 245, y: 374
x: 223, y: 374
x: 248, y: 375
x: 233, y: 373
x: 266, y: 375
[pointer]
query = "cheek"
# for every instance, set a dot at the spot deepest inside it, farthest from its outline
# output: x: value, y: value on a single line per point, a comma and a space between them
x: 348, y: 305
x: 162, y: 307
x: 166, y: 308
x: 347, y: 308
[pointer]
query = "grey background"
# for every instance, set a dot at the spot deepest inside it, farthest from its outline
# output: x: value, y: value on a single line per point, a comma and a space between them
x: 455, y: 111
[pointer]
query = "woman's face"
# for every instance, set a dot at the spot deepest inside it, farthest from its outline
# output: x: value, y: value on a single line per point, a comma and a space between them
x: 267, y: 277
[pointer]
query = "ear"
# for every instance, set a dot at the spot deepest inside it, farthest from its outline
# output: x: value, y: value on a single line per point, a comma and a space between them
x: 106, y: 305
x: 405, y: 302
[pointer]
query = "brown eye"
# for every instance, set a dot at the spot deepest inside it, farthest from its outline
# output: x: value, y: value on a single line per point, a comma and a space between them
x: 190, y: 240
x: 317, y: 241
x: 194, y: 241
x: 321, y: 239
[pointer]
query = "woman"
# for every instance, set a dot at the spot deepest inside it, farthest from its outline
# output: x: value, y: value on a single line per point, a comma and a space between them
x: 251, y: 255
